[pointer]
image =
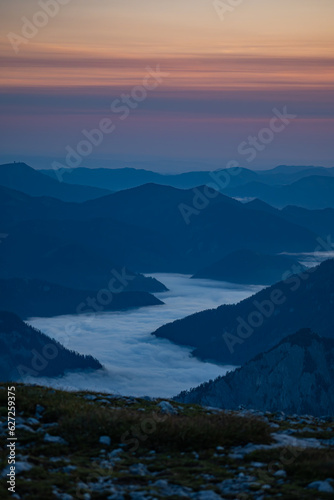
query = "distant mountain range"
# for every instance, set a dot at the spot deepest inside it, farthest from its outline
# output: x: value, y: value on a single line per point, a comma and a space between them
x: 142, y: 228
x: 30, y: 298
x: 217, y: 225
x: 285, y: 174
x: 234, y: 334
x: 26, y: 351
x: 21, y: 177
x: 295, y: 376
x: 146, y: 229
x: 314, y: 192
x: 247, y: 267
x: 279, y: 187
x: 117, y: 179
x: 320, y: 221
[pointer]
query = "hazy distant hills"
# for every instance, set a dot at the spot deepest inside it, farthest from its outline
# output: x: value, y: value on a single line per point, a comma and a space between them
x: 126, y: 178
x: 150, y: 228
x: 142, y: 228
x: 284, y: 174
x: 117, y: 179
x: 25, y: 351
x: 29, y: 298
x: 320, y: 221
x: 221, y: 226
x: 280, y: 186
x: 233, y: 334
x: 247, y: 267
x: 314, y: 192
x: 21, y: 177
x: 308, y: 187
x: 295, y: 376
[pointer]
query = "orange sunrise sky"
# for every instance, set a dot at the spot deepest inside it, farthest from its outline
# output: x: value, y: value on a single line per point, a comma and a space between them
x: 224, y: 69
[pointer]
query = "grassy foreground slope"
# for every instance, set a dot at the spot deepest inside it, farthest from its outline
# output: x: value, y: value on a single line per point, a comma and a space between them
x: 98, y: 446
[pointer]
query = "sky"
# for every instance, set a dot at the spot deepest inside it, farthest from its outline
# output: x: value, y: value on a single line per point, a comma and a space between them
x: 187, y: 81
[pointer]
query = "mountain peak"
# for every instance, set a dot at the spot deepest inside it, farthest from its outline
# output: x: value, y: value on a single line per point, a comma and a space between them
x: 282, y: 379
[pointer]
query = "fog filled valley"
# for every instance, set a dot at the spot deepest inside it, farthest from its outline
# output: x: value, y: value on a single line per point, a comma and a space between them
x: 149, y: 320
x: 152, y: 281
x: 138, y: 364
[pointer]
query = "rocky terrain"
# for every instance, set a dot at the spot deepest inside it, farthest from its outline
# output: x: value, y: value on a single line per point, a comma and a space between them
x: 101, y: 446
x: 296, y: 376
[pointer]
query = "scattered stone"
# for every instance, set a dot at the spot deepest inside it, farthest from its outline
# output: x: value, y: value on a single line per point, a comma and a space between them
x: 105, y: 440
x: 258, y: 465
x: 90, y: 397
x: 140, y: 495
x: 208, y: 477
x: 322, y: 486
x: 69, y: 468
x: 207, y: 495
x: 167, y: 408
x: 280, y: 473
x: 115, y: 453
x: 20, y: 467
x: 61, y: 496
x: 235, y: 485
x: 116, y: 496
x: 166, y: 489
x: 39, y: 410
x: 139, y: 470
x: 54, y: 439
x: 23, y: 427
x: 32, y: 421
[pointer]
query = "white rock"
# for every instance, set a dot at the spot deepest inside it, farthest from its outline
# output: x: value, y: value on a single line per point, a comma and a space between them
x: 32, y: 421
x: 322, y: 486
x: 207, y: 495
x: 39, y: 410
x: 105, y: 440
x: 280, y: 473
x: 19, y: 468
x: 139, y: 469
x: 167, y: 408
x: 54, y: 439
x: 258, y: 465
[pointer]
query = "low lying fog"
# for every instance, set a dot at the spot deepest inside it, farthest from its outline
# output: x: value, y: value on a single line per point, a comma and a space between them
x: 136, y: 362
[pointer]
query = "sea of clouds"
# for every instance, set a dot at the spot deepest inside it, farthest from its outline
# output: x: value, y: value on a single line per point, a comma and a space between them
x: 136, y: 362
